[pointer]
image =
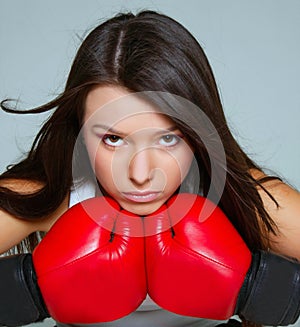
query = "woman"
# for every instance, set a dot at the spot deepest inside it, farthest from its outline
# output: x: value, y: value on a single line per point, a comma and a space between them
x: 135, y: 54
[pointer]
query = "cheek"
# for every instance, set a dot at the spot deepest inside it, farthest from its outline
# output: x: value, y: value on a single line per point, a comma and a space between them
x: 110, y: 171
x: 100, y: 161
x: 104, y: 170
x: 185, y: 164
x: 184, y: 158
x: 177, y: 168
x: 91, y: 144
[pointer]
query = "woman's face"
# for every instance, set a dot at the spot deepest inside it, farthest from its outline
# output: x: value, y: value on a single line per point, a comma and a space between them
x: 139, y: 155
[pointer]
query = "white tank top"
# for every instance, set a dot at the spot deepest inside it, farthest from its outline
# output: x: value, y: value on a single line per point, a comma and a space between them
x: 148, y: 314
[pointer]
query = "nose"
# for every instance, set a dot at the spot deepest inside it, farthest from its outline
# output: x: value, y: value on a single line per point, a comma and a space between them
x: 141, y: 167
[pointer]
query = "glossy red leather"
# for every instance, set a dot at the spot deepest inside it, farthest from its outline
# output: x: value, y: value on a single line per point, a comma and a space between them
x: 92, y: 267
x: 86, y: 273
x: 194, y: 267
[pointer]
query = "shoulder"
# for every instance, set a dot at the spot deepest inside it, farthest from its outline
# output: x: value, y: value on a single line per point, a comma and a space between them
x: 286, y: 216
x: 12, y: 229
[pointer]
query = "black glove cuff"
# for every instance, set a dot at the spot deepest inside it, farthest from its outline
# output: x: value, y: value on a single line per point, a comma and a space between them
x: 20, y: 300
x: 271, y: 291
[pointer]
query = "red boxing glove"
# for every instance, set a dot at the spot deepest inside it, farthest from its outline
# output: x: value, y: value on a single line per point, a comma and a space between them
x: 89, y: 267
x: 194, y: 268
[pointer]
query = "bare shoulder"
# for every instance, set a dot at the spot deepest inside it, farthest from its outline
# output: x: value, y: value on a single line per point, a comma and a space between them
x: 286, y: 215
x: 14, y: 230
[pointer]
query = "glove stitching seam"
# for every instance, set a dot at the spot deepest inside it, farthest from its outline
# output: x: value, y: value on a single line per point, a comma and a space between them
x: 197, y: 254
x: 72, y: 262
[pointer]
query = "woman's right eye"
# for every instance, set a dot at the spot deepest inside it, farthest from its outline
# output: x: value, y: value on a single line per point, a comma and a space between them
x: 112, y: 140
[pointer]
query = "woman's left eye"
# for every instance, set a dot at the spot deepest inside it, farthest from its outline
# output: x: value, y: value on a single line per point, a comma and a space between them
x: 169, y: 140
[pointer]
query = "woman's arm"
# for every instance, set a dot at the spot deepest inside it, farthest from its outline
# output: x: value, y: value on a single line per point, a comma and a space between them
x: 286, y: 217
x: 14, y: 230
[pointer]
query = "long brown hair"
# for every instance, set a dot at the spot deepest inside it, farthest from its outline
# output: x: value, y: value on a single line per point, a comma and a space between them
x: 144, y: 52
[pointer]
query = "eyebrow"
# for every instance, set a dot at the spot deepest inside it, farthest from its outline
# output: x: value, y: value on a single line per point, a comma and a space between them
x: 115, y: 131
x: 108, y: 129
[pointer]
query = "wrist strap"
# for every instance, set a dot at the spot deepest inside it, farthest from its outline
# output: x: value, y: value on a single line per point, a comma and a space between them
x: 20, y: 299
x: 271, y: 295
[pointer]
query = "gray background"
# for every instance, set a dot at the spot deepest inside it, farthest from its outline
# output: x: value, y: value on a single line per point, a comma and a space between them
x: 253, y: 47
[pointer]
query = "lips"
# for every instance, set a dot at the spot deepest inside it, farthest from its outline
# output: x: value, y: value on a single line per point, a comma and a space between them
x: 142, y: 197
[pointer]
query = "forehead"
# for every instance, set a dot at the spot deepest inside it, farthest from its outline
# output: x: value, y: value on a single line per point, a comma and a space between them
x: 114, y: 106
